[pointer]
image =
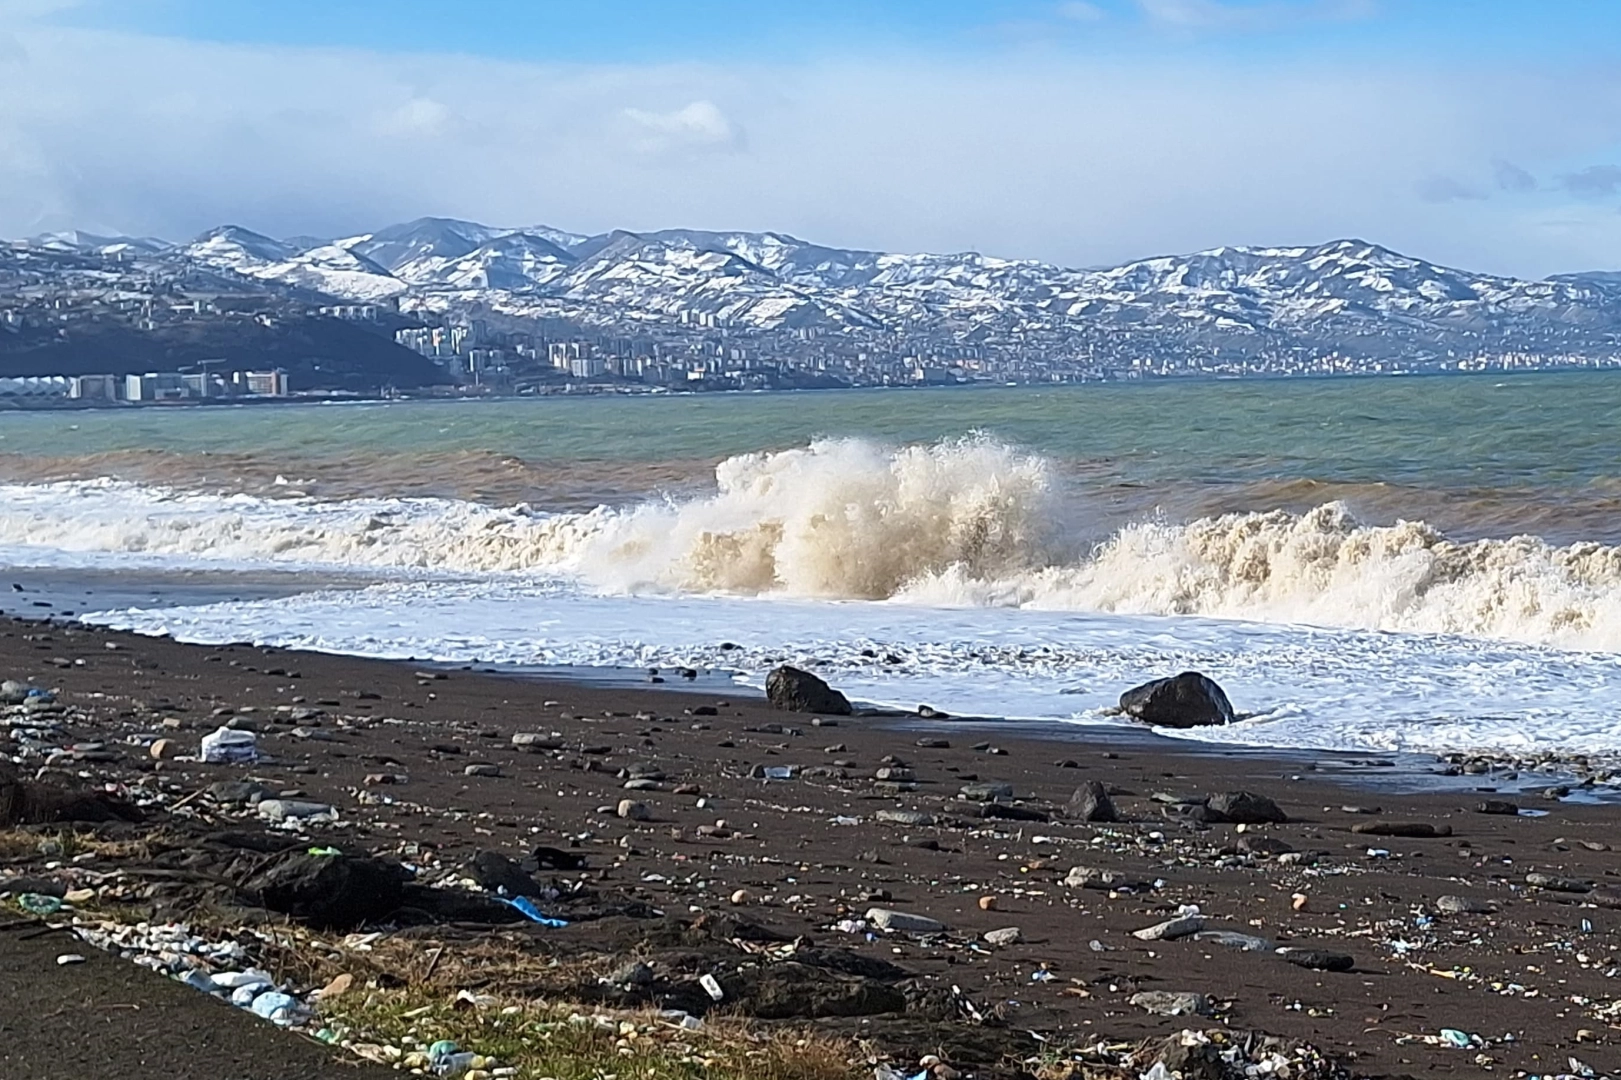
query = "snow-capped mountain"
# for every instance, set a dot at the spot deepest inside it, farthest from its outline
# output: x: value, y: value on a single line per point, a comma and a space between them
x: 1348, y: 295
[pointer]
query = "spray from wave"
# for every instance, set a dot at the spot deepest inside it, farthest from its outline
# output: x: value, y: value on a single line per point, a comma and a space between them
x: 967, y: 522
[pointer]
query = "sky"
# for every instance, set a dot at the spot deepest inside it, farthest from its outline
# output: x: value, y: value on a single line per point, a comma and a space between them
x: 1484, y: 134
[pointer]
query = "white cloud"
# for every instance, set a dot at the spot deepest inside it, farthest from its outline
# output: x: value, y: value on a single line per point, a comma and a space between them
x: 419, y: 116
x: 697, y: 125
x: 1028, y: 155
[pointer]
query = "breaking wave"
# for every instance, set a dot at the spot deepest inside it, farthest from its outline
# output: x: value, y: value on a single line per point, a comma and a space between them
x: 968, y: 522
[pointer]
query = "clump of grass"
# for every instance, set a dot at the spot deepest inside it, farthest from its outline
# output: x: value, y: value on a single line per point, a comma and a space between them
x: 547, y: 1040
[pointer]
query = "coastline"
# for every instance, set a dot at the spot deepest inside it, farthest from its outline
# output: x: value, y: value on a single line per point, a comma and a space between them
x: 802, y: 854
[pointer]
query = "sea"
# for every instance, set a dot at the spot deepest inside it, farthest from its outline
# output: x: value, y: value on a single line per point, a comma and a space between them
x: 1383, y: 565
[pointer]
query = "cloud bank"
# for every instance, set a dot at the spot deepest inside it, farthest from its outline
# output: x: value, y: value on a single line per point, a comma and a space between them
x: 1074, y: 158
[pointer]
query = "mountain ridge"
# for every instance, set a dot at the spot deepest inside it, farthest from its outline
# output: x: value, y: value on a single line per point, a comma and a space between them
x: 1347, y: 296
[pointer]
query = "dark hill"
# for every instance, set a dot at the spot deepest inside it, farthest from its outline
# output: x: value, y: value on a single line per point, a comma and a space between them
x: 316, y: 353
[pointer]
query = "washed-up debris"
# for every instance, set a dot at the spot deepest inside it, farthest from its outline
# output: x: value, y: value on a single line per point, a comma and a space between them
x: 903, y: 922
x: 228, y: 746
x: 1009, y: 935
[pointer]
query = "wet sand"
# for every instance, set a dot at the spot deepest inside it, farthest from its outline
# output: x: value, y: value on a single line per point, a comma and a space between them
x: 1533, y: 977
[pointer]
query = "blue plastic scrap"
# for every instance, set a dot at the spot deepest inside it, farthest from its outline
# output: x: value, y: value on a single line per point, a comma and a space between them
x: 526, y: 907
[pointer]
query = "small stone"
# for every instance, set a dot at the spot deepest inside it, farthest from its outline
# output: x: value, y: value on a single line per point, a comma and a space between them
x: 631, y: 810
x: 162, y: 749
x: 643, y: 785
x: 934, y: 744
x: 1462, y: 905
x: 1266, y: 846
x: 904, y: 817
x: 1008, y: 935
x: 1088, y: 877
x: 290, y: 809
x: 535, y: 742
x: 987, y: 903
x: 1559, y: 884
x: 79, y: 896
x: 1412, y: 830
x: 69, y: 958
x: 1498, y: 806
x: 634, y: 973
x: 482, y: 769
x: 1180, y: 927
x: 985, y: 791
x: 903, y: 922
x: 1317, y: 959
x: 1231, y: 940
x: 741, y: 896
x: 1165, y: 1003
x: 895, y: 773
x: 1299, y: 901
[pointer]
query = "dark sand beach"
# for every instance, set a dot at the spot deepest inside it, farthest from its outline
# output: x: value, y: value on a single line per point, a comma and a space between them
x: 722, y: 870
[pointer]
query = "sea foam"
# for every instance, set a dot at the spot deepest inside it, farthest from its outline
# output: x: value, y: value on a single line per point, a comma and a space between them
x: 960, y: 523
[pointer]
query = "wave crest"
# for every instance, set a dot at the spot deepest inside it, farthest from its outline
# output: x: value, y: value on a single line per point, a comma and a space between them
x: 963, y: 522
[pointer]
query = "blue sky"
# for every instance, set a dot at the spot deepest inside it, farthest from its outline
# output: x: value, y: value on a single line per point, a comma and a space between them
x: 617, y: 31
x: 1485, y: 134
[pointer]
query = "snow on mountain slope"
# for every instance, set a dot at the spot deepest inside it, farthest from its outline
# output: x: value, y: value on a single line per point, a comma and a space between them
x: 1347, y: 292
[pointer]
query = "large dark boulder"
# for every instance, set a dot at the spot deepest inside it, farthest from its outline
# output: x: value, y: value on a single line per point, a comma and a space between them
x: 1247, y: 808
x: 330, y: 892
x: 1091, y: 802
x: 793, y: 690
x: 1182, y: 701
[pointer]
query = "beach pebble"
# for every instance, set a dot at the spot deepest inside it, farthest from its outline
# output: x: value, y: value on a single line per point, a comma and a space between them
x: 985, y: 791
x: 1317, y: 959
x: 1558, y: 884
x: 482, y: 768
x: 287, y: 809
x: 904, y: 817
x: 741, y: 896
x: 1462, y: 905
x: 1008, y: 935
x: 987, y: 903
x: 163, y: 749
x: 1412, y: 830
x: 1171, y: 929
x: 631, y: 810
x: 67, y: 959
x: 903, y: 922
x: 1299, y: 901
x: 1232, y: 940
x: 1166, y: 1003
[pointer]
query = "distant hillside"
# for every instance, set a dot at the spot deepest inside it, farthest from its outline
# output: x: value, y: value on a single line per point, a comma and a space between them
x: 317, y: 353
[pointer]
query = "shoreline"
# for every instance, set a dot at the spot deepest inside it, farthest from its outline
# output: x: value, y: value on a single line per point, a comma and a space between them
x: 804, y: 855
x: 52, y: 594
